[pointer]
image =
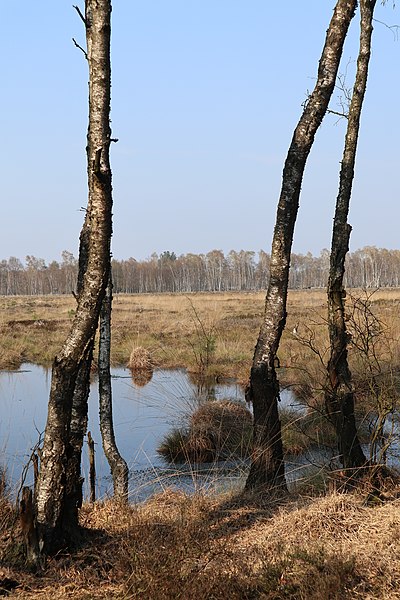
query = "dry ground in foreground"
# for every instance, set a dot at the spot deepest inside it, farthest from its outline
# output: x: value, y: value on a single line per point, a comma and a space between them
x: 198, y: 548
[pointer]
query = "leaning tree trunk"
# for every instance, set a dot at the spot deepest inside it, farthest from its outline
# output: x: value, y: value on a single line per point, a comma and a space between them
x: 118, y: 466
x: 267, y: 466
x: 56, y: 518
x: 79, y: 413
x: 339, y: 397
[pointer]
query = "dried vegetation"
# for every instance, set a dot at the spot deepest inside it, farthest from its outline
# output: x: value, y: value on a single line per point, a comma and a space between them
x: 239, y: 547
x: 178, y: 330
x: 216, y: 431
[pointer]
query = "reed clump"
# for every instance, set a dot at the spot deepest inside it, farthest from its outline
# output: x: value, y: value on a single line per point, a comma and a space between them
x: 140, y: 359
x: 217, y: 430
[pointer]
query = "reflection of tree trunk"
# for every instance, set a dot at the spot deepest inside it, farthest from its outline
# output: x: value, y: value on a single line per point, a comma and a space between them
x: 119, y: 468
x: 267, y: 468
x: 58, y: 496
x: 340, y: 396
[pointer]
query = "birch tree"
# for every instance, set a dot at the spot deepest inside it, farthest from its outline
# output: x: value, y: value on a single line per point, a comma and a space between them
x: 339, y: 397
x: 56, y: 506
x: 118, y: 466
x: 267, y: 466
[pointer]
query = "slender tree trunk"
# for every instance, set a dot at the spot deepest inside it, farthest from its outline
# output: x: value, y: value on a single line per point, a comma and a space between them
x: 92, y: 468
x: 267, y: 466
x: 56, y: 517
x: 79, y: 413
x: 78, y: 427
x: 339, y: 397
x: 118, y: 466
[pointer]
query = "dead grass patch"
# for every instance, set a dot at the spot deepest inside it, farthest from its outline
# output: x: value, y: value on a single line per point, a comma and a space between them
x: 140, y: 359
x: 176, y: 546
x: 216, y: 431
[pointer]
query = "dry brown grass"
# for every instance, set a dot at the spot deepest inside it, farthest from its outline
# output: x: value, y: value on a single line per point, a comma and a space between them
x: 140, y: 359
x: 246, y: 547
x: 33, y: 328
x: 217, y: 431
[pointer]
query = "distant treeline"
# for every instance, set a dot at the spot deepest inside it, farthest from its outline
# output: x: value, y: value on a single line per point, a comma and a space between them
x: 368, y: 267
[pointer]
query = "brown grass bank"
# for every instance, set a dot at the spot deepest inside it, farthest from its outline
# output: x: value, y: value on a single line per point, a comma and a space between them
x: 199, y: 548
x: 216, y: 332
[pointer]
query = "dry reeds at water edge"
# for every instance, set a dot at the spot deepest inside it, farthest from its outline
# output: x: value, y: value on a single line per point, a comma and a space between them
x: 217, y: 430
x: 140, y: 359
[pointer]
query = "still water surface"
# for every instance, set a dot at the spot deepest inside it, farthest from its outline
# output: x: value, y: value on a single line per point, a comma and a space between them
x: 142, y: 415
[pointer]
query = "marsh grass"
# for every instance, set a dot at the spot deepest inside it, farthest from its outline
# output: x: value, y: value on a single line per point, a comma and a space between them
x: 33, y: 329
x: 162, y: 324
x: 140, y: 359
x: 184, y: 330
x: 216, y: 430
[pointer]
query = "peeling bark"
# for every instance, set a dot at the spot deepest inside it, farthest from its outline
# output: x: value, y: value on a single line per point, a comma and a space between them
x: 339, y: 398
x: 57, y: 498
x: 267, y: 466
x: 118, y: 466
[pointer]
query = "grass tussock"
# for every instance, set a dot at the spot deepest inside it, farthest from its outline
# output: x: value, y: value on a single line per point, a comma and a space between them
x: 140, y: 359
x: 216, y: 431
x: 243, y: 547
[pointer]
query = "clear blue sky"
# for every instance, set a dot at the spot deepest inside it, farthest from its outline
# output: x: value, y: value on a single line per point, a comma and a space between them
x: 205, y: 97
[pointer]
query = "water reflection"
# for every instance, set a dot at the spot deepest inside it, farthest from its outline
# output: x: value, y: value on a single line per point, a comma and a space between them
x: 142, y: 377
x: 143, y: 414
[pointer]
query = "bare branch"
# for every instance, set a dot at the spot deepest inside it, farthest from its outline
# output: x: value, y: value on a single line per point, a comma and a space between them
x: 80, y: 48
x: 393, y: 28
x: 337, y: 113
x: 78, y: 10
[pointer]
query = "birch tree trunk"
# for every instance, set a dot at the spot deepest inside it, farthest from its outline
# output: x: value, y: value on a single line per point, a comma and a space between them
x: 339, y: 397
x: 118, y: 466
x: 267, y: 466
x: 56, y: 503
x: 79, y: 413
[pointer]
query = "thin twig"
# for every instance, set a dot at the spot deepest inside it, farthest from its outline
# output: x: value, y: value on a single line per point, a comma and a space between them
x: 393, y: 28
x: 339, y: 114
x: 78, y: 10
x: 80, y: 48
